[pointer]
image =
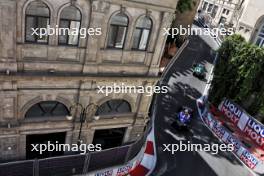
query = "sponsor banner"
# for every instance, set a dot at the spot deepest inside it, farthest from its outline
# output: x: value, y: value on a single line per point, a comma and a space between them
x: 255, y: 131
x: 249, y: 159
x: 208, y: 120
x: 242, y: 123
x: 246, y: 157
x: 236, y: 143
x: 122, y: 171
x: 105, y: 173
x: 231, y: 111
x: 247, y: 124
x: 225, y: 138
x: 218, y: 130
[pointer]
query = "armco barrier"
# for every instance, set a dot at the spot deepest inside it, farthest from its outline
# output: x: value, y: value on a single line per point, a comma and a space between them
x: 74, y: 164
x: 21, y: 168
x: 108, y: 158
x: 134, y: 149
x: 65, y: 165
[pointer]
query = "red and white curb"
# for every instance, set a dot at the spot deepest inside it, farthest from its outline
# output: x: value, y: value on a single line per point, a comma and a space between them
x: 148, y: 161
x: 141, y: 165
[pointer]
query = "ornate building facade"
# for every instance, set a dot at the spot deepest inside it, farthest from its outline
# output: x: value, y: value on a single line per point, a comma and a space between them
x: 245, y: 16
x: 220, y: 11
x: 250, y: 21
x: 42, y: 77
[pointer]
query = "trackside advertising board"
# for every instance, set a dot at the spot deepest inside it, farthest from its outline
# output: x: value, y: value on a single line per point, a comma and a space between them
x: 223, y: 134
x: 121, y: 171
x: 247, y: 124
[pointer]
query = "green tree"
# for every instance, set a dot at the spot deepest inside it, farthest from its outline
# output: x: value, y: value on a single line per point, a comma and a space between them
x: 186, y: 10
x: 239, y: 74
x: 185, y: 5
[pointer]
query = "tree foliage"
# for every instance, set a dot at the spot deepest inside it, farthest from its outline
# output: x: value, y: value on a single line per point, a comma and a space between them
x: 185, y: 5
x: 239, y: 75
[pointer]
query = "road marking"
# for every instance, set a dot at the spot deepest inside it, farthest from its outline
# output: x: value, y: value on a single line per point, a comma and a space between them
x: 197, y: 137
x: 210, y: 78
x: 178, y: 138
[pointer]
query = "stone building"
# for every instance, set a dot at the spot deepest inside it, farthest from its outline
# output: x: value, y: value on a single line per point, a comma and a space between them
x: 245, y: 16
x: 220, y: 11
x: 250, y: 21
x: 42, y: 77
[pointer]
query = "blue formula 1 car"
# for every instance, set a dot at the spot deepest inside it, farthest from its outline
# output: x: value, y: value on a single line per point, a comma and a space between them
x: 183, y: 118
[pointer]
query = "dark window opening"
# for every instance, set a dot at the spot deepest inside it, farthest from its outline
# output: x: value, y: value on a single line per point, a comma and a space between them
x: 214, y: 12
x: 142, y: 33
x: 47, y: 109
x: 70, y: 22
x: 118, y: 31
x: 260, y: 38
x: 205, y: 5
x: 210, y: 8
x: 52, y: 138
x: 222, y: 20
x: 37, y: 17
x: 114, y: 107
x: 109, y: 138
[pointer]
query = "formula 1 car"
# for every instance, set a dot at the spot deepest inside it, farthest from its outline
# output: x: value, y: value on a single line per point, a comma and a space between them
x: 183, y: 119
x: 199, y: 71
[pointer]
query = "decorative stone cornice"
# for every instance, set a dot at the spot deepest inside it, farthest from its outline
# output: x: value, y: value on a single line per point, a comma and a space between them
x: 100, y: 6
x: 122, y: 9
x: 148, y: 12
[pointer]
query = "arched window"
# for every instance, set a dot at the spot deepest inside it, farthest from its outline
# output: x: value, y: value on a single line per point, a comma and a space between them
x: 118, y: 31
x: 114, y: 107
x: 260, y: 37
x: 142, y: 33
x: 37, y: 17
x: 70, y: 22
x: 47, y: 109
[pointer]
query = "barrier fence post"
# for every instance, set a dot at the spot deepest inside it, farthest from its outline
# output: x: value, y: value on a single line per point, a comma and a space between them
x: 128, y: 153
x: 86, y: 163
x: 36, y: 167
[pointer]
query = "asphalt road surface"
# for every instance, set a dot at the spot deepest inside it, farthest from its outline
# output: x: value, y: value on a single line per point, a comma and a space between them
x: 184, y: 90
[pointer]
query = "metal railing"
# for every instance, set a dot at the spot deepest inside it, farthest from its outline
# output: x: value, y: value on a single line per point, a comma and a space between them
x: 74, y: 164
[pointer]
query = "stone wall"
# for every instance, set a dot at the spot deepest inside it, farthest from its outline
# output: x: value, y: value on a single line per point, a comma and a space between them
x: 92, y: 54
x: 31, y: 73
x: 251, y: 19
x: 22, y: 92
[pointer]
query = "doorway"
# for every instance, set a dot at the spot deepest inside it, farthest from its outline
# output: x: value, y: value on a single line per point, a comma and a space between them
x: 53, y: 138
x: 109, y: 138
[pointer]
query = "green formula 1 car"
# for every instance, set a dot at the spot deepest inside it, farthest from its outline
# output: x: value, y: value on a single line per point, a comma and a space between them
x: 199, y: 71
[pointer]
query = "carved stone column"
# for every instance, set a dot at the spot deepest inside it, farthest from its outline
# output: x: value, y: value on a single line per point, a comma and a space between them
x: 167, y: 18
x: 99, y: 9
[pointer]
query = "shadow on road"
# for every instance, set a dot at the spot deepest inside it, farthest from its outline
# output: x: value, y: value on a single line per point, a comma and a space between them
x: 184, y: 89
